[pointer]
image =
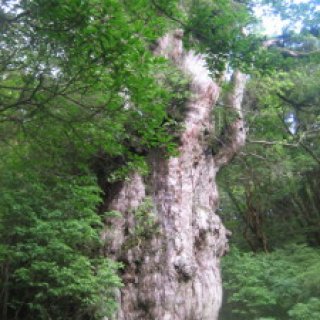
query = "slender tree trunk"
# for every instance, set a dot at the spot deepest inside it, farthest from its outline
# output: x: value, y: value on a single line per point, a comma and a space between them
x: 5, y: 291
x: 173, y: 273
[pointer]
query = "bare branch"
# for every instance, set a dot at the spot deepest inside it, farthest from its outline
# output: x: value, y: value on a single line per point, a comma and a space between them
x: 251, y: 154
x: 286, y: 52
x: 272, y: 143
x: 297, y: 54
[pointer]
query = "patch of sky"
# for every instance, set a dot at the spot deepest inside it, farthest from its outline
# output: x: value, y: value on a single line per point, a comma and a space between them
x: 272, y: 25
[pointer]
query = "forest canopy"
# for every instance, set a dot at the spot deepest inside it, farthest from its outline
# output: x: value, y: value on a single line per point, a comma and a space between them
x: 83, y: 101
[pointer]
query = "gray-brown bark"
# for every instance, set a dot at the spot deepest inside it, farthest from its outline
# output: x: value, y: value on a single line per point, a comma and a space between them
x: 173, y: 272
x: 286, y: 52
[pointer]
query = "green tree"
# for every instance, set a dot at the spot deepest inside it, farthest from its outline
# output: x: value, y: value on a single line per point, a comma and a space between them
x: 77, y: 83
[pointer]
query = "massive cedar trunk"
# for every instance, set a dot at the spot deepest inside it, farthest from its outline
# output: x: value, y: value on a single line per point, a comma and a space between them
x: 172, y: 256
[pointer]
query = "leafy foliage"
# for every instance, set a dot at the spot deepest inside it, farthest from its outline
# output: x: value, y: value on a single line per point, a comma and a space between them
x: 281, y: 285
x: 81, y: 62
x: 269, y: 196
x: 77, y: 83
x: 216, y: 27
x: 82, y: 102
x: 278, y: 166
x: 51, y: 266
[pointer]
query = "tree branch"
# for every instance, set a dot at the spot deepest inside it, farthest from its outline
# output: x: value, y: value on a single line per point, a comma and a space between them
x: 286, y: 52
x: 272, y: 143
x: 236, y: 131
x: 303, y: 146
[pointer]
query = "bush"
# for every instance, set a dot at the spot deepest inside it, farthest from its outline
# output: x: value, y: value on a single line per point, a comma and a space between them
x: 50, y: 248
x: 283, y: 284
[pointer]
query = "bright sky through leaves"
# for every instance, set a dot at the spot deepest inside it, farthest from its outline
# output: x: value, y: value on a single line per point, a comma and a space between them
x: 272, y: 25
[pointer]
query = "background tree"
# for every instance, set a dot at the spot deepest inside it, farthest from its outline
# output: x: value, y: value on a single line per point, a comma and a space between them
x: 274, y: 208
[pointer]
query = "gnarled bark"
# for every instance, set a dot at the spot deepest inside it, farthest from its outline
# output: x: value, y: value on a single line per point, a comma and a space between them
x: 174, y: 271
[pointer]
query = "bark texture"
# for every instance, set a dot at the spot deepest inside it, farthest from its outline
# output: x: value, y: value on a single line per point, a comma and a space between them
x: 172, y: 268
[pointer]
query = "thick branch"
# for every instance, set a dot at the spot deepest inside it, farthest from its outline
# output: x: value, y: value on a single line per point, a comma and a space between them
x: 297, y: 54
x: 236, y: 131
x: 286, y: 52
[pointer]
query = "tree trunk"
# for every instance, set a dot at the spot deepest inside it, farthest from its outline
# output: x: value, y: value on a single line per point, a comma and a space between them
x: 171, y: 245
